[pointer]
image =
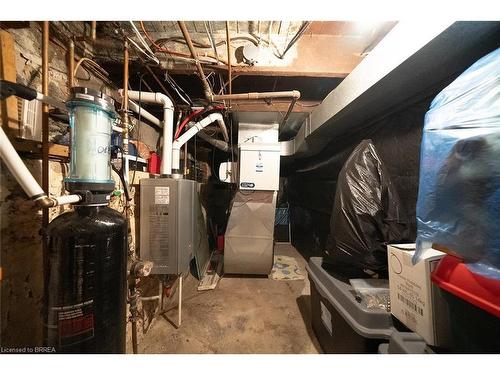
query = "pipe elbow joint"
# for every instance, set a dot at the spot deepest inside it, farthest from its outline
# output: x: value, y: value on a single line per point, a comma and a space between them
x: 46, y: 202
x: 164, y: 100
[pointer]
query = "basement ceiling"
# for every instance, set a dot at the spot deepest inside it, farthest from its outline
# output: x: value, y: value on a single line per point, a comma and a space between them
x: 312, y: 57
x: 325, y: 52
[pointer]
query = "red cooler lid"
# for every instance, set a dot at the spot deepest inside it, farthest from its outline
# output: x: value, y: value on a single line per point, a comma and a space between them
x: 454, y: 276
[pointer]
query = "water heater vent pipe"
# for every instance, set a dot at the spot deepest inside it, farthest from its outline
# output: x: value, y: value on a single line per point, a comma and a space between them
x: 191, y: 132
x: 168, y: 123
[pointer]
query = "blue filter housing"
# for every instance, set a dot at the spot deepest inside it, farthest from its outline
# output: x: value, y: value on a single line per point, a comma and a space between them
x: 459, y: 190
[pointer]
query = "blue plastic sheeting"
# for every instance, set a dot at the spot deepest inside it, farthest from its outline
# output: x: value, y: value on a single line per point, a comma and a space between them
x: 459, y: 191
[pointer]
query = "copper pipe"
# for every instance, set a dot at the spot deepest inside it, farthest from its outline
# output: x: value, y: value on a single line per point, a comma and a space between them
x: 93, y: 27
x: 206, y: 86
x: 229, y: 61
x: 71, y: 64
x: 45, y: 119
x: 125, y: 118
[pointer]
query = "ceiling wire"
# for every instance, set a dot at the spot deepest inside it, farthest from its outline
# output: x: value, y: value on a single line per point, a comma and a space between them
x: 296, y: 37
x: 208, y: 29
x: 173, y: 53
x: 143, y: 42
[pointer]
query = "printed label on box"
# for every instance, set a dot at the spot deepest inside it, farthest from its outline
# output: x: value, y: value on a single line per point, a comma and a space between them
x: 162, y: 195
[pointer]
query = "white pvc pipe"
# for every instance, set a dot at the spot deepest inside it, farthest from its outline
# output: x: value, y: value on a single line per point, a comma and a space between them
x: 179, y: 142
x: 67, y: 199
x: 144, y: 114
x: 24, y: 177
x: 17, y: 168
x: 168, y: 123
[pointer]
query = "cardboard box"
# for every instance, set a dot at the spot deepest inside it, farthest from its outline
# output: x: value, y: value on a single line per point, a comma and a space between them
x: 415, y: 301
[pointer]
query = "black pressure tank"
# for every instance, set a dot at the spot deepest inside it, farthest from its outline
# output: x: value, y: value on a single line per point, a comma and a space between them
x: 85, y: 281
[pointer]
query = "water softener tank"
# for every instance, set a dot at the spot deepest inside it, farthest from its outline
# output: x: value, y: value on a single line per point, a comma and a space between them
x: 85, y: 263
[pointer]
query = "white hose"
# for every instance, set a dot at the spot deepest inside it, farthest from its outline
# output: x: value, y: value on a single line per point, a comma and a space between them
x: 143, y: 42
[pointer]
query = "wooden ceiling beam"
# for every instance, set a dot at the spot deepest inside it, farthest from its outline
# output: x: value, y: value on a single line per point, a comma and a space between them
x: 260, y: 71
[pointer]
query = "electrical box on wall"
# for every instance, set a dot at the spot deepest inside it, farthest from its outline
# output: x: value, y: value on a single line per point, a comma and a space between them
x: 259, y: 166
x: 31, y: 119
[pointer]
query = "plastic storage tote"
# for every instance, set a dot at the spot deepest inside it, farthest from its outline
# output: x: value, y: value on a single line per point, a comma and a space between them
x: 405, y: 343
x: 474, y: 305
x: 342, y: 324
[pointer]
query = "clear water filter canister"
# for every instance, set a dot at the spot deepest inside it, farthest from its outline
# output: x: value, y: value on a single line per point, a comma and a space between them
x: 91, y: 117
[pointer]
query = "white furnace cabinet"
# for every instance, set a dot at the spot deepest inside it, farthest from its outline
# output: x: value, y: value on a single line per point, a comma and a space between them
x: 259, y: 166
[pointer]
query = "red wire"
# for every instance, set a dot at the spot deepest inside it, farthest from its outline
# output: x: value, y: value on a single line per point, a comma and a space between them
x: 185, y: 121
x: 191, y: 116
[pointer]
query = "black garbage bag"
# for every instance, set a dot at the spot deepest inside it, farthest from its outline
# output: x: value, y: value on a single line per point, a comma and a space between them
x: 366, y: 214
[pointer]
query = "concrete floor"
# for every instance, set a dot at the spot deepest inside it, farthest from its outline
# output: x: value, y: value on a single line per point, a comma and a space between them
x: 242, y: 315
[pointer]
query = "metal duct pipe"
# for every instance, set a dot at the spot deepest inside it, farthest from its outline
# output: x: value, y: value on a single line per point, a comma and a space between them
x: 206, y: 86
x: 293, y: 95
x: 168, y: 123
x: 191, y: 132
x: 217, y: 143
x: 24, y: 177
